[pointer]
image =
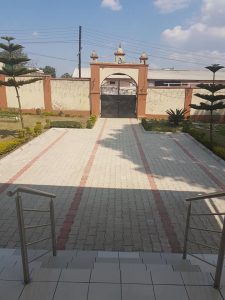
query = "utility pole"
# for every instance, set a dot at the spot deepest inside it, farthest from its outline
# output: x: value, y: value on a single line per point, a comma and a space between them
x: 79, y: 53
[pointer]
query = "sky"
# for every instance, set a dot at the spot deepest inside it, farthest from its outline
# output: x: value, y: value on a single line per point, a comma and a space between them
x: 180, y: 34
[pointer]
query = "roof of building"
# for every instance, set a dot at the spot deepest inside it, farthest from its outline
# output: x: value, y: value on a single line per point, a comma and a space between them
x: 167, y: 74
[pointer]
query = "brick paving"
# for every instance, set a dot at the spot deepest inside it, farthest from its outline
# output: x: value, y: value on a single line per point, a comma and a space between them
x: 118, y: 187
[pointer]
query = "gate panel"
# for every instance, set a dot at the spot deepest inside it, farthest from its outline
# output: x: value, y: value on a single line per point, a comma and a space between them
x: 118, y: 106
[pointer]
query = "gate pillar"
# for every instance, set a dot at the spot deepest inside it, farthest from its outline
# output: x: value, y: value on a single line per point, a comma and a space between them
x: 95, y: 89
x: 142, y: 90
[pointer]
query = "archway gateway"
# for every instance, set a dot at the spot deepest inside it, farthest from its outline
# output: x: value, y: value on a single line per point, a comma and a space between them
x: 102, y: 70
x: 118, y: 97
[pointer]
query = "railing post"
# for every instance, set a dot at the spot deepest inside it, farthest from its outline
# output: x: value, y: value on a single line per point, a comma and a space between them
x: 53, y: 227
x: 187, y: 231
x: 219, y: 266
x: 23, y: 246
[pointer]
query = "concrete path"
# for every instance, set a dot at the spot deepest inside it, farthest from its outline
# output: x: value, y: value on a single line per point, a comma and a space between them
x: 118, y: 188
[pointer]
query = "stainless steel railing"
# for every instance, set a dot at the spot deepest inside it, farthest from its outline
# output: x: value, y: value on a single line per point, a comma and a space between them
x: 221, y: 249
x: 22, y: 227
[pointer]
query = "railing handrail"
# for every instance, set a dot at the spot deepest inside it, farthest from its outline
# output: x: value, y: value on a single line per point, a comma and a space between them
x: 30, y: 191
x: 206, y: 196
x: 221, y: 249
x: 19, y: 208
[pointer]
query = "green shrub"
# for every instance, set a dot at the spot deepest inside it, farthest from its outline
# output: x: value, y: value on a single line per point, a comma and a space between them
x: 91, y: 122
x: 198, y: 135
x: 147, y: 124
x: 220, y: 151
x: 186, y: 126
x: 21, y: 133
x: 6, y: 146
x: 38, y: 128
x: 47, y: 124
x: 49, y: 113
x: 29, y: 131
x: 38, y: 111
x: 176, y: 116
x: 65, y: 124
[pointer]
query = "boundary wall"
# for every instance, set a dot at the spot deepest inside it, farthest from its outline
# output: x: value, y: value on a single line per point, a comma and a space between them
x: 73, y: 96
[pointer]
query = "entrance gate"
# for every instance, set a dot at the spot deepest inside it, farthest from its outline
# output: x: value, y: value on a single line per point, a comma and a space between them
x: 118, y: 106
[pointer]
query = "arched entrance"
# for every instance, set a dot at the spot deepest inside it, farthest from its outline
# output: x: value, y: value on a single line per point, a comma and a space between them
x: 118, y: 96
x: 100, y: 71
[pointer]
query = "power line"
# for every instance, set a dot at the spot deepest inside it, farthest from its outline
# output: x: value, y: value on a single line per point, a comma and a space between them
x: 139, y: 42
x: 48, y: 56
x: 40, y: 29
x: 134, y: 52
x: 103, y: 37
x: 50, y: 42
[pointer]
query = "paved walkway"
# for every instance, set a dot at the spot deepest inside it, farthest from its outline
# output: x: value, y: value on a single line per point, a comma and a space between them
x: 118, y: 188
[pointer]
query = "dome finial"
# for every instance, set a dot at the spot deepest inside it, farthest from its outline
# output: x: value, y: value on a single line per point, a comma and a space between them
x: 119, y: 55
x: 143, y: 58
x: 94, y: 56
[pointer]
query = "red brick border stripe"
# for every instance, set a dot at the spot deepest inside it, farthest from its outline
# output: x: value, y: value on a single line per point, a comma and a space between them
x: 29, y: 164
x: 164, y: 216
x: 70, y: 216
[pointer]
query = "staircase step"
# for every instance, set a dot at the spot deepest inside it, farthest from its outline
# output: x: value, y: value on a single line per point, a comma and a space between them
x: 158, y: 267
x: 45, y: 274
x: 152, y: 258
x: 197, y: 278
x: 166, y: 277
x: 56, y: 262
x: 81, y: 263
x: 78, y: 275
x: 186, y: 268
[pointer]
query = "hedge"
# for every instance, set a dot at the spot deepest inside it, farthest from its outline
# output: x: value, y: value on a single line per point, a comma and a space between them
x: 65, y: 124
x: 6, y: 146
x: 91, y: 121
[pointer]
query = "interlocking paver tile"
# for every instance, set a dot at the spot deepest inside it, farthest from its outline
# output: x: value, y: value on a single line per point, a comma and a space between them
x: 118, y: 208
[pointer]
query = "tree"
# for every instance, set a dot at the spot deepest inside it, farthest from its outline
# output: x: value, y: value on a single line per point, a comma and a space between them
x: 13, y: 68
x: 66, y: 75
x: 17, y: 54
x: 48, y: 70
x: 213, y: 98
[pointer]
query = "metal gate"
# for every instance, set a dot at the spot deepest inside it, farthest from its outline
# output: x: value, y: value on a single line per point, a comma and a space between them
x: 118, y: 106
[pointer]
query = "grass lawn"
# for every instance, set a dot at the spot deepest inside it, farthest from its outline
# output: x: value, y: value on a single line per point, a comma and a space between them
x: 8, y: 129
x: 218, y: 132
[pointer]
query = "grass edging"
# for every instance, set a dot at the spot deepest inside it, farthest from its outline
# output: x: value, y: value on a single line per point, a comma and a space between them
x: 216, y: 157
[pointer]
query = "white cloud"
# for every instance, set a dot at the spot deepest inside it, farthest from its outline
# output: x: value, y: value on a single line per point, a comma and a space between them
x: 35, y: 33
x: 213, y: 12
x: 169, y: 6
x: 112, y: 4
x: 206, y: 32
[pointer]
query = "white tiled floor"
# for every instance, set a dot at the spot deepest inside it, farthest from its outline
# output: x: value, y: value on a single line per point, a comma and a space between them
x: 108, y: 280
x: 170, y: 292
